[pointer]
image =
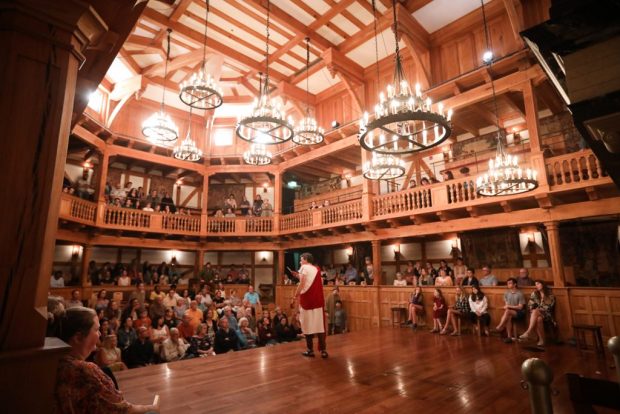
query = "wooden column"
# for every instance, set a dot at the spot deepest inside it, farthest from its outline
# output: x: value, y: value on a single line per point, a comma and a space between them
x: 537, y: 160
x: 277, y: 201
x: 555, y: 253
x: 368, y: 190
x: 280, y: 268
x: 87, y: 253
x: 376, y: 261
x: 204, y: 212
x: 42, y: 49
x: 103, y: 176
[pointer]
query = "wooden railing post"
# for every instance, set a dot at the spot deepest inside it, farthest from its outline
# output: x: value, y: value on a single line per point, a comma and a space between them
x: 100, y: 218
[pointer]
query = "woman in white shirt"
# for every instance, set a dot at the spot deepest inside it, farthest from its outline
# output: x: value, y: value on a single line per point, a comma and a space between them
x: 124, y: 280
x: 479, y: 306
x: 443, y: 279
x: 399, y: 281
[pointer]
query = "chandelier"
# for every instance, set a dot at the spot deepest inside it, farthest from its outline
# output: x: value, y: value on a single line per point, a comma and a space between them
x: 383, y: 167
x: 266, y: 123
x: 257, y: 155
x: 201, y: 90
x: 504, y: 177
x: 404, y: 122
x: 308, y: 132
x: 159, y: 127
x: 187, y: 150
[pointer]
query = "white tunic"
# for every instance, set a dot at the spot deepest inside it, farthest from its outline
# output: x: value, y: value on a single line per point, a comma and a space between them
x: 312, y: 320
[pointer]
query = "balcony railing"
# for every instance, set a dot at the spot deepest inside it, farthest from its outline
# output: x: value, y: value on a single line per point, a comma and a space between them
x: 564, y: 173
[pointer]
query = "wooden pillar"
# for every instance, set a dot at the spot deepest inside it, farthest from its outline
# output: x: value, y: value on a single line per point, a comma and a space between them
x: 103, y: 176
x: 204, y: 212
x: 537, y: 160
x: 87, y: 253
x: 555, y: 253
x: 252, y: 267
x: 42, y: 50
x: 376, y: 261
x: 280, y: 268
x: 277, y: 201
x: 368, y: 190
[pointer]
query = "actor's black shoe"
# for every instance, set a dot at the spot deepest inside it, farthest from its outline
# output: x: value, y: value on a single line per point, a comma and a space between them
x: 308, y: 353
x: 324, y: 354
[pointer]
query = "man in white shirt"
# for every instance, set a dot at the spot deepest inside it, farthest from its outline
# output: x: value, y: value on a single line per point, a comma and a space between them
x: 170, y: 301
x: 173, y: 348
x: 57, y: 281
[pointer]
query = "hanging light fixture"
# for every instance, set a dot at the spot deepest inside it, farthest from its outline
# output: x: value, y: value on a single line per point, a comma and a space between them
x: 504, y: 177
x: 159, y: 127
x: 266, y: 123
x: 187, y: 150
x: 201, y: 90
x: 257, y: 155
x: 404, y: 122
x: 383, y: 167
x: 308, y: 132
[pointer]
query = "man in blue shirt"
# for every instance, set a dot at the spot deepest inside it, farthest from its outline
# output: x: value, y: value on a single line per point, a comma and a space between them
x: 252, y: 297
x: 350, y: 275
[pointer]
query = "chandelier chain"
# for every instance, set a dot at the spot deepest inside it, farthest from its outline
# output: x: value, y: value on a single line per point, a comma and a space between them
x: 204, y: 46
x: 267, y: 47
x: 500, y: 145
x: 374, y: 16
x: 163, y: 94
x: 307, y: 76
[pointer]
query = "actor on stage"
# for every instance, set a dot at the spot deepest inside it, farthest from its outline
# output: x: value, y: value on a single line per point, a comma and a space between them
x: 311, y: 304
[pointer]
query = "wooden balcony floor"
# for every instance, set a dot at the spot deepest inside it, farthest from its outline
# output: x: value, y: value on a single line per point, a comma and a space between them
x: 380, y: 370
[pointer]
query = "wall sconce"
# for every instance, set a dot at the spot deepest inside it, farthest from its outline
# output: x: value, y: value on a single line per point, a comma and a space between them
x: 349, y: 251
x: 179, y: 182
x: 76, y: 249
x: 456, y: 249
x: 174, y: 254
x: 87, y: 165
x: 265, y: 187
x: 516, y: 137
x: 531, y: 241
x: 396, y: 251
x: 335, y: 124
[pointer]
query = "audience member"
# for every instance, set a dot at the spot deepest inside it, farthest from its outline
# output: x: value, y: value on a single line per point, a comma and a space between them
x: 439, y: 310
x: 460, y: 271
x: 399, y: 281
x: 284, y: 331
x: 247, y: 337
x: 75, y: 300
x: 225, y: 338
x: 470, y: 279
x: 159, y: 334
x: 350, y: 275
x: 169, y: 320
x: 186, y: 327
x: 200, y: 344
x: 524, y: 278
x: 251, y: 296
x: 460, y: 309
x: 140, y: 353
x: 257, y: 207
x: 330, y: 308
x: 479, y: 305
x: 368, y: 271
x: 109, y: 355
x: 267, y: 209
x: 232, y: 321
x: 101, y: 302
x: 174, y: 347
x: 340, y: 319
x: 266, y: 333
x: 57, y: 281
x: 542, y: 306
x: 416, y: 306
x: 443, y: 279
x: 126, y: 334
x: 139, y: 293
x: 244, y: 206
x: 488, y: 279
x: 81, y: 387
x: 514, y: 309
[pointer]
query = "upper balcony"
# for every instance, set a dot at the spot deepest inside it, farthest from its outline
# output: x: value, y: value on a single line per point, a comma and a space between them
x: 569, y: 178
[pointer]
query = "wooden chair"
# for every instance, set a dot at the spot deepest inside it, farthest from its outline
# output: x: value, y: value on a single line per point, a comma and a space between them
x: 597, y: 338
x: 399, y: 315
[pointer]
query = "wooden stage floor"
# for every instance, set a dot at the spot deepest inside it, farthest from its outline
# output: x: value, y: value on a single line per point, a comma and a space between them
x: 390, y: 370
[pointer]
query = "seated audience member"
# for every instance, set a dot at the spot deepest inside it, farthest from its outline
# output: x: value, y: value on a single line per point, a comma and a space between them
x: 148, y: 207
x: 132, y: 310
x: 410, y: 272
x: 368, y: 271
x: 439, y: 309
x: 267, y: 210
x: 180, y: 308
x: 75, y: 301
x: 126, y: 334
x: 81, y: 387
x: 57, y: 281
x: 218, y: 300
x: 186, y: 327
x: 278, y: 315
x: 143, y: 320
x: 169, y: 320
x: 524, y: 278
x: 113, y: 310
x: 156, y: 292
x: 340, y: 318
x: 232, y: 321
x: 459, y: 271
x: 350, y: 275
x: 542, y: 306
x: 225, y: 338
x: 140, y: 353
x: 109, y: 355
x: 200, y: 344
x: 425, y: 181
x: 266, y: 333
x: 195, y: 314
x: 456, y: 312
x: 432, y: 272
x: 230, y: 213
x: 244, y: 206
x: 173, y: 348
x: 251, y: 296
x: 444, y: 265
x: 247, y: 336
x: 210, y: 324
x: 157, y: 308
x: 399, y: 281
x: 425, y: 278
x: 124, y: 279
x: 234, y: 299
x: 172, y: 298
x: 104, y: 330
x: 479, y: 309
x: 416, y: 306
x: 159, y: 333
x: 284, y: 331
x: 443, y: 279
x: 514, y: 309
x: 488, y: 278
x: 330, y: 307
x: 470, y: 279
x: 139, y: 293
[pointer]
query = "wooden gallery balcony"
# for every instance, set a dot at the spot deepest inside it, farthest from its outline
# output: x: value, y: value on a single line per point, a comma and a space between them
x: 571, y: 178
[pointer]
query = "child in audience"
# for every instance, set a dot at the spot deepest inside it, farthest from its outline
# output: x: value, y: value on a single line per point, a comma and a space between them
x: 460, y: 308
x: 439, y: 310
x: 479, y: 305
x: 340, y: 318
x: 266, y: 334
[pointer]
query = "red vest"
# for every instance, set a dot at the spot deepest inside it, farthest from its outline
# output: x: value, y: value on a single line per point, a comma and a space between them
x: 313, y: 298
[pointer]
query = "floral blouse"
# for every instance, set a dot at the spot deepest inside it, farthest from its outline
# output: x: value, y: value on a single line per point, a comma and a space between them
x: 81, y: 387
x: 545, y: 306
x: 462, y: 304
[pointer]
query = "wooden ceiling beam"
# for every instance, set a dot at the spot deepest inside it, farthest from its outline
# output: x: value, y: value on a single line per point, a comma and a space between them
x: 515, y: 21
x: 320, y: 152
x: 176, y: 63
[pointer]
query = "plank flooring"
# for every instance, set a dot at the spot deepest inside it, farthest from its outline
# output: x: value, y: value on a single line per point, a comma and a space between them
x: 391, y: 370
